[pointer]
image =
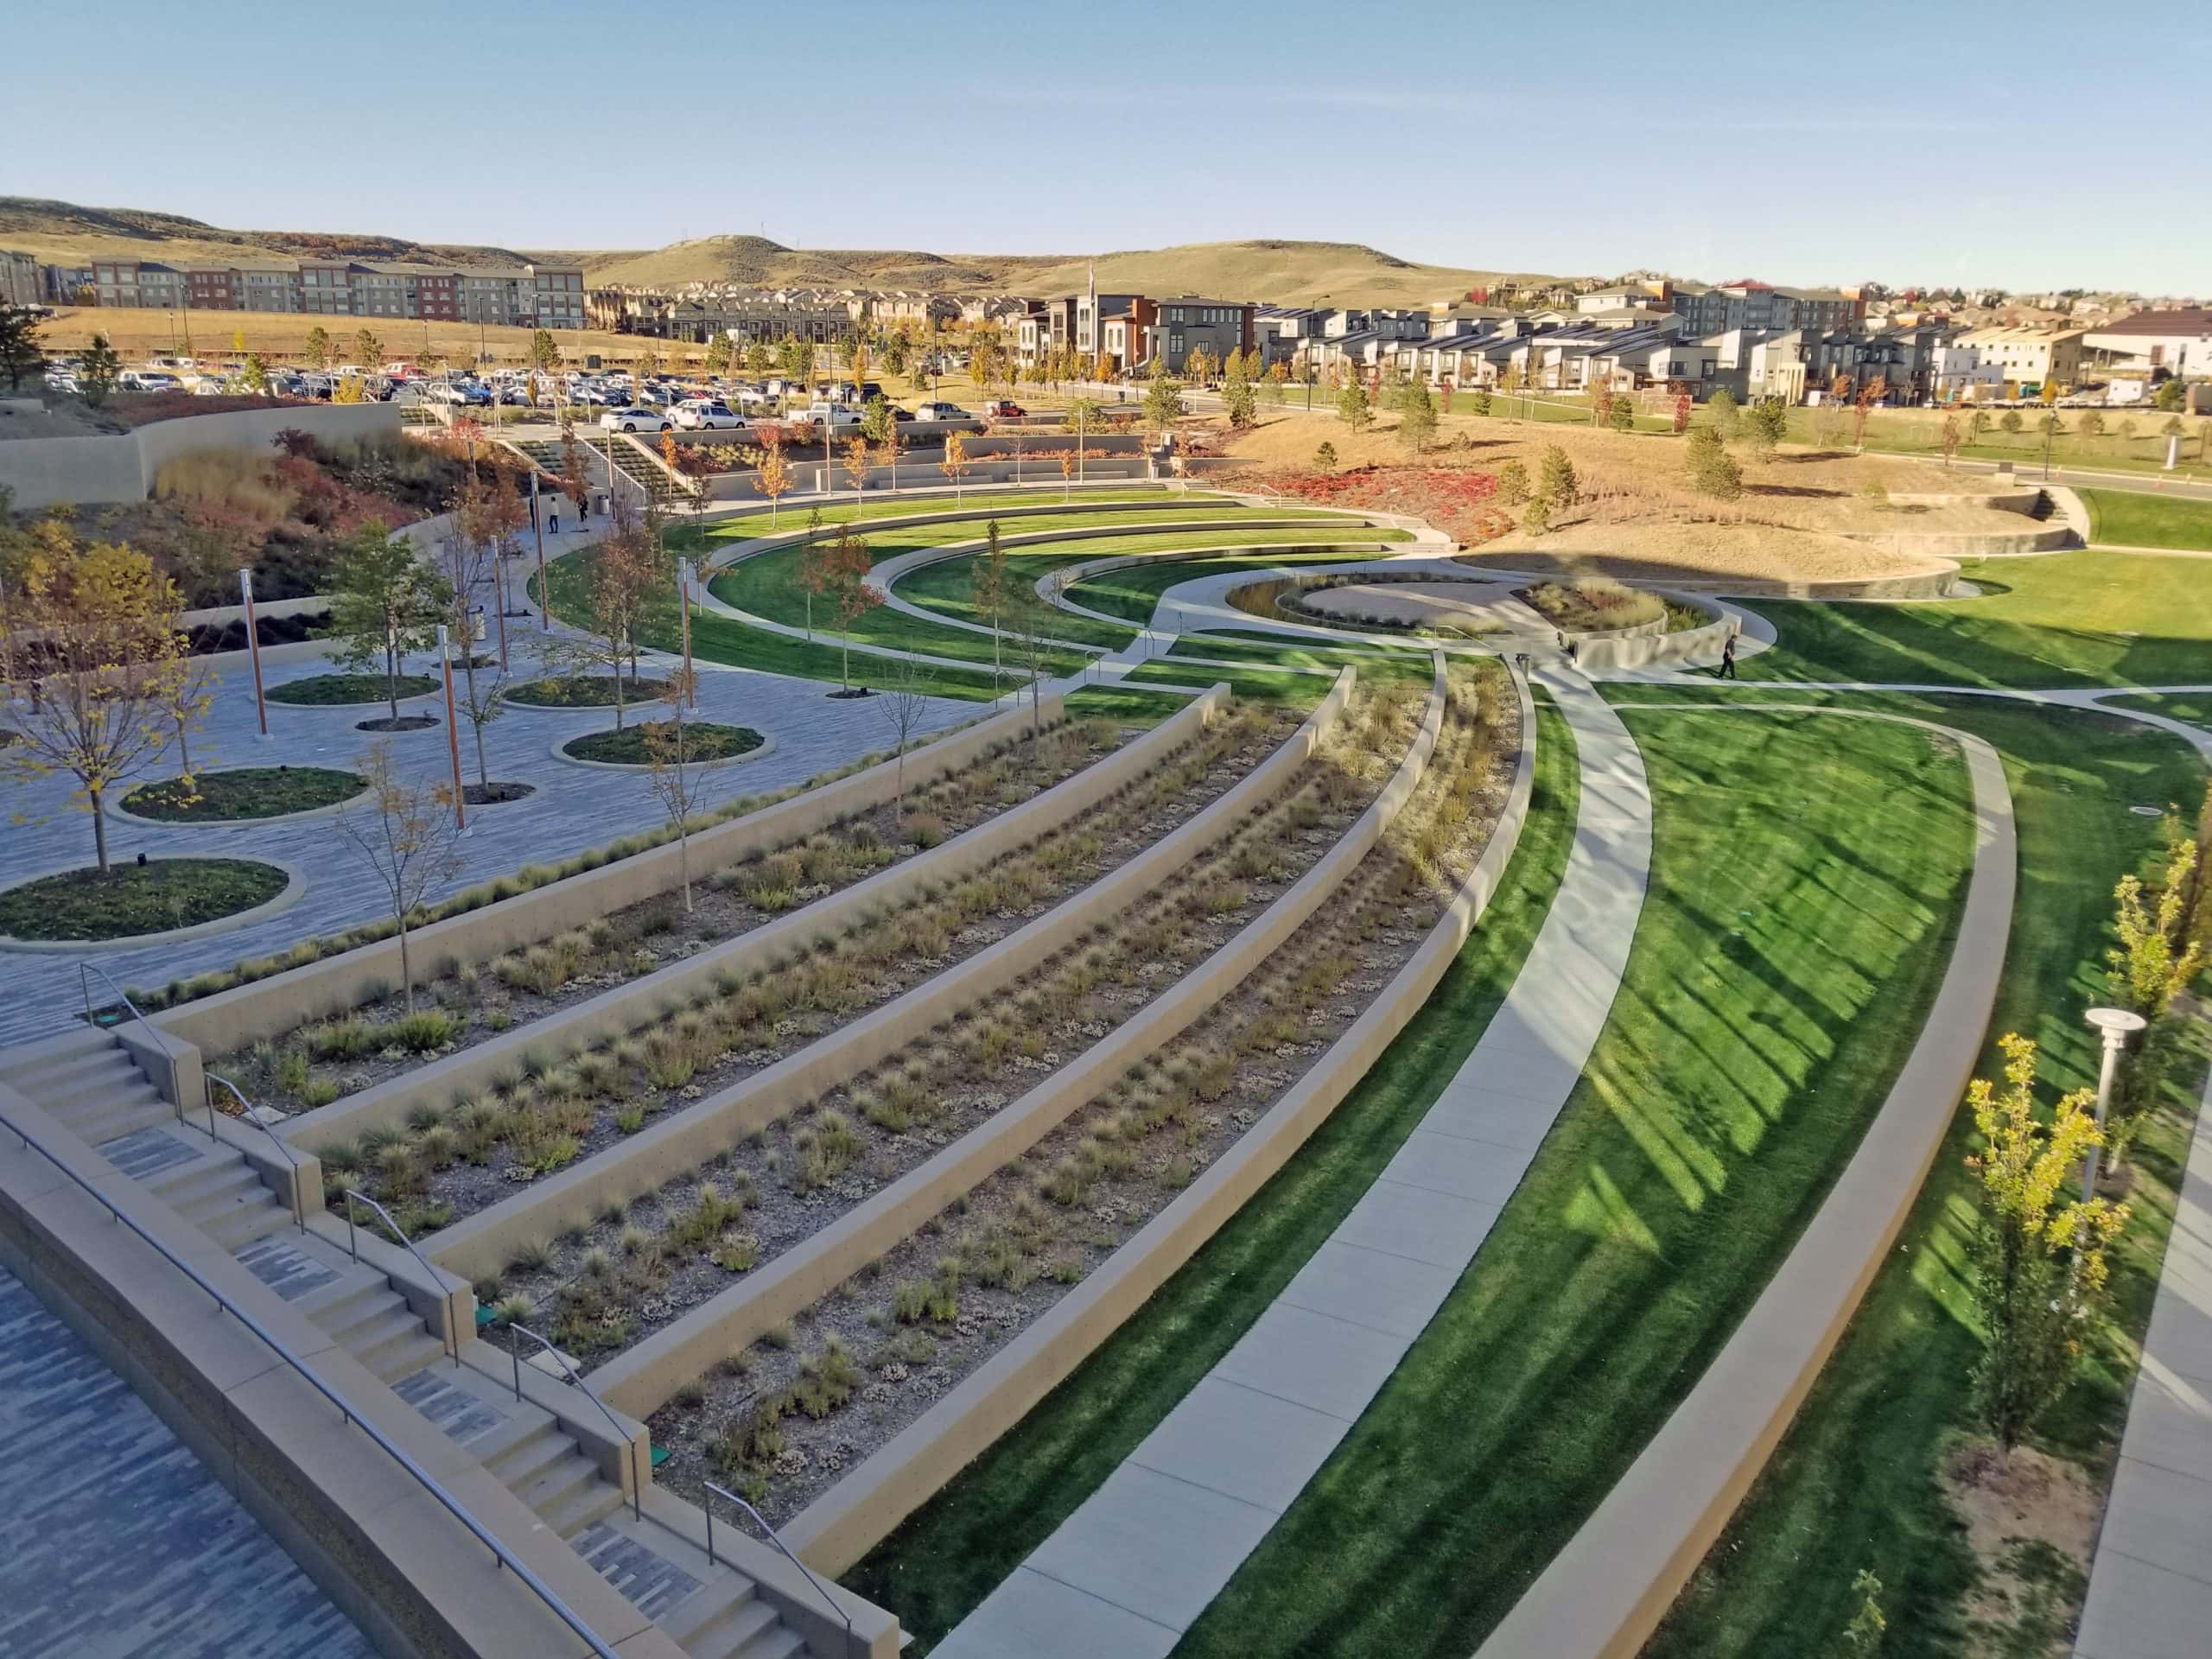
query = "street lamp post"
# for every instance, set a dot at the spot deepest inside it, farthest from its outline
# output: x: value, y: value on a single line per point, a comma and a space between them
x: 2116, y: 1024
x: 683, y: 588
x: 453, y: 731
x: 253, y: 648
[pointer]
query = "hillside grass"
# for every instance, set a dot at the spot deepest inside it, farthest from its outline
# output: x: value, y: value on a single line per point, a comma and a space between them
x: 1787, y: 952
x: 946, y: 1557
x: 2132, y: 519
x: 1855, y: 1484
x: 2083, y: 619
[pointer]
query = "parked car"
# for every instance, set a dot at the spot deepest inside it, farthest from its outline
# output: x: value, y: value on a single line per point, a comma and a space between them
x: 634, y: 419
x: 700, y: 416
x: 942, y: 412
x: 1003, y: 409
x: 832, y: 415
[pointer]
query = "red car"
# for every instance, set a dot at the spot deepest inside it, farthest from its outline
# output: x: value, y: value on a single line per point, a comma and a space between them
x: 1003, y: 409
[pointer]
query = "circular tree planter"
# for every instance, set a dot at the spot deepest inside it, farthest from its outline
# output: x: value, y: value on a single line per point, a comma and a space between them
x: 710, y: 744
x: 242, y: 795
x: 142, y: 903
x: 582, y: 691
x: 404, y: 723
x: 347, y: 690
x: 495, y: 794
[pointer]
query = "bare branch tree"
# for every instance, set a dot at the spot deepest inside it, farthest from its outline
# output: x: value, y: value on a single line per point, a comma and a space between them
x: 406, y: 834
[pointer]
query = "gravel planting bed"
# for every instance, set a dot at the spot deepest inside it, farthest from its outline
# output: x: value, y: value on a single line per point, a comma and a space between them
x: 327, y: 1060
x: 542, y: 1122
x: 603, y: 1288
x: 784, y: 1419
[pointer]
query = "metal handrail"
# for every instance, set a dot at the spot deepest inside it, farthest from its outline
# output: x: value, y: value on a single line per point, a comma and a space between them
x: 637, y: 1484
x: 124, y: 997
x: 346, y: 1410
x: 715, y: 1492
x: 246, y: 1111
x: 452, y: 1336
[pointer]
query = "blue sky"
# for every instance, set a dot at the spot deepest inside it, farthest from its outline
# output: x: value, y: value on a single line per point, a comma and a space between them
x: 2023, y: 144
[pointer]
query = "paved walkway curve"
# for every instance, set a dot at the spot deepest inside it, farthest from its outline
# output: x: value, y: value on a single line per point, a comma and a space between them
x: 1126, y: 1574
x: 1607, y: 1589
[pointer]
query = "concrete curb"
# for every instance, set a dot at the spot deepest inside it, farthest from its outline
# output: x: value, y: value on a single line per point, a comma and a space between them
x: 330, y: 811
x: 295, y: 885
x: 845, y: 1522
x: 1605, y: 1592
x: 760, y: 751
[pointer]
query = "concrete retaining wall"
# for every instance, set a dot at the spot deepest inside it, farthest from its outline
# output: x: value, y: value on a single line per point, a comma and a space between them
x: 808, y: 475
x: 848, y: 1520
x: 406, y: 1571
x: 485, y: 1242
x: 270, y: 1007
x: 622, y: 1008
x: 948, y: 511
x: 50, y: 472
x: 2043, y: 538
x: 644, y: 1378
x: 1605, y: 1592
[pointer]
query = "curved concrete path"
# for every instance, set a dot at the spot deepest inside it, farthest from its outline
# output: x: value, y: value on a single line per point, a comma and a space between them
x: 1125, y: 1576
x: 1604, y: 1594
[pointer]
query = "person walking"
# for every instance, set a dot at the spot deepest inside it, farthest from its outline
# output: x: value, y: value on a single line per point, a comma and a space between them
x: 1728, y: 657
x: 553, y: 521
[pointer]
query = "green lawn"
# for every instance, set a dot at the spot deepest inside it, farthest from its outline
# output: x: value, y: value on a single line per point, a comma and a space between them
x: 1251, y: 685
x: 949, y: 1554
x: 1853, y: 1485
x: 338, y: 690
x: 1134, y: 593
x: 705, y: 739
x: 723, y: 640
x: 243, y: 793
x: 745, y: 526
x: 1371, y: 664
x: 132, y: 899
x: 2132, y: 519
x: 1790, y: 945
x: 2070, y: 620
x: 2196, y: 708
x: 1131, y: 705
x: 1365, y: 648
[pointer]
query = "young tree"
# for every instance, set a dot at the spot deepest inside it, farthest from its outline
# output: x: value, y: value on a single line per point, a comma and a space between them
x: 1977, y: 424
x: 114, y: 671
x: 1029, y: 615
x: 2010, y: 421
x: 1557, y: 487
x: 97, y: 370
x: 906, y: 705
x: 576, y: 473
x: 1163, y: 400
x: 1721, y: 408
x: 773, y: 474
x: 318, y: 349
x: 1353, y: 407
x: 407, y: 834
x: 238, y: 340
x: 1512, y: 484
x: 1862, y: 1637
x: 1416, y: 415
x: 19, y: 350
x: 2168, y: 397
x: 484, y: 515
x: 1713, y: 471
x: 1240, y: 404
x: 1681, y: 413
x: 1870, y: 393
x: 624, y: 572
x: 2154, y: 962
x: 813, y: 566
x: 254, y: 376
x: 991, y: 586
x: 856, y: 466
x: 350, y: 389
x: 1601, y: 403
x: 955, y: 464
x: 851, y: 595
x: 2039, y: 1263
x: 676, y: 772
x: 1325, y: 456
x: 877, y: 420
x: 1763, y: 425
x: 1069, y: 458
x: 384, y: 603
x: 368, y: 350
x: 1479, y: 403
x: 1622, y: 416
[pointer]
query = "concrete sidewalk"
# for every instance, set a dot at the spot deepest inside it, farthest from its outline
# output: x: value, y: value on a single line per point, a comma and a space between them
x: 1126, y: 1573
x: 2151, y: 1584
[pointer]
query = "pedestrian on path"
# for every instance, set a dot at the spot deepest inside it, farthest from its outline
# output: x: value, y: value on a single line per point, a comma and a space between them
x: 553, y: 521
x: 1728, y: 657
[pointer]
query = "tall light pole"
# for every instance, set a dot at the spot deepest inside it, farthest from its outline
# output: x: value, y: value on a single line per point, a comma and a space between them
x: 2116, y: 1024
x: 452, y: 730
x: 253, y: 648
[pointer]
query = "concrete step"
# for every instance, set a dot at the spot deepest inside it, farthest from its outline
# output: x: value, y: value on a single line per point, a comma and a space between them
x: 204, y: 1182
x: 777, y: 1641
x: 64, y: 1072
x: 71, y: 1100
x: 523, y: 1459
x: 569, y: 1477
x: 237, y: 1227
x: 403, y: 1353
x: 736, y: 1615
x: 107, y: 1121
x: 595, y: 1501
x: 335, y: 1308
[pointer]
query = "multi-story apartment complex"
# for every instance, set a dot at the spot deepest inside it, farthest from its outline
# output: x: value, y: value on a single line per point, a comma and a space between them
x: 546, y: 296
x: 1758, y: 306
x: 2029, y: 356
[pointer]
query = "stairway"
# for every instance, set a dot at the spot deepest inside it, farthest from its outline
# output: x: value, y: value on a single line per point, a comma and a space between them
x: 92, y: 1088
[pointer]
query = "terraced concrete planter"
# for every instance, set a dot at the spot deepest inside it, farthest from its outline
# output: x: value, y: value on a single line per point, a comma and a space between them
x: 870, y: 1501
x: 484, y: 1243
x: 621, y: 1009
x: 649, y: 1373
x: 270, y: 1008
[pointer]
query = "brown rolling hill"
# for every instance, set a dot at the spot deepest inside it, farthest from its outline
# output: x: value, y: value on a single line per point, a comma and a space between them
x: 1280, y: 272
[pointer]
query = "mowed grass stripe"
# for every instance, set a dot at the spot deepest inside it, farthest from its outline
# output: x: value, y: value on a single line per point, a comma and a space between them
x: 953, y: 1551
x: 1786, y: 950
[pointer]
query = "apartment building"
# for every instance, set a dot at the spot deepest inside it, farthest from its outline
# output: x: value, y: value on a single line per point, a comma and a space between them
x: 551, y: 296
x: 1191, y: 324
x: 1762, y: 307
x: 2179, y: 341
x: 2030, y: 358
x: 21, y: 280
